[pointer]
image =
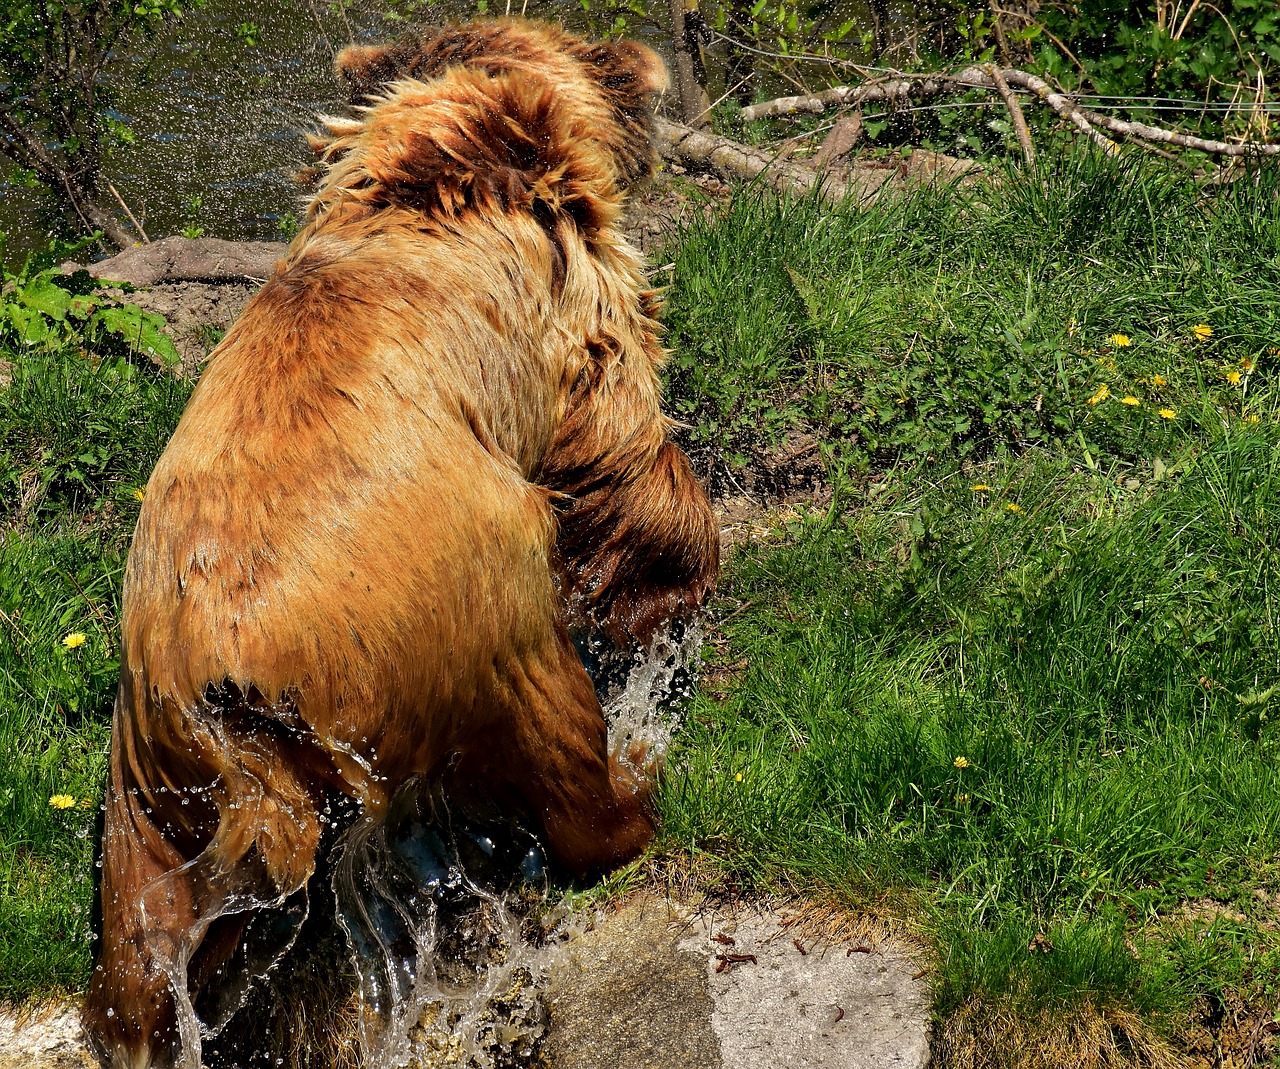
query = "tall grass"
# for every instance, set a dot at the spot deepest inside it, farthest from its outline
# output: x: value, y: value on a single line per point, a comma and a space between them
x: 1017, y: 683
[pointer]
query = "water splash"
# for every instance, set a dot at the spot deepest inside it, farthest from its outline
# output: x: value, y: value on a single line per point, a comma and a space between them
x: 270, y: 931
x: 646, y: 709
x: 445, y: 917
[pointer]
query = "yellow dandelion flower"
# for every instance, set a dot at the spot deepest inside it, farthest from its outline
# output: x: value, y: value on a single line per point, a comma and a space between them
x: 86, y: 803
x: 738, y: 778
x: 74, y: 640
x: 962, y: 799
x: 1107, y: 362
x: 139, y: 494
x: 961, y: 762
x: 1012, y: 507
x: 1252, y: 417
x: 62, y: 801
x: 1168, y: 413
x: 1246, y: 363
x: 1102, y: 394
x: 1159, y: 380
x: 1233, y: 377
x: 1120, y: 341
x: 1202, y: 331
x: 1129, y: 399
x: 979, y: 488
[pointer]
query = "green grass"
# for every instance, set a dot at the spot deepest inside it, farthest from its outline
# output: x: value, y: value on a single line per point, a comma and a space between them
x: 1092, y: 635
x: 960, y: 323
x: 82, y: 420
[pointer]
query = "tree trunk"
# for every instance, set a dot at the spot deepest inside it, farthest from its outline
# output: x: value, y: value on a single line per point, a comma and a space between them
x: 694, y: 103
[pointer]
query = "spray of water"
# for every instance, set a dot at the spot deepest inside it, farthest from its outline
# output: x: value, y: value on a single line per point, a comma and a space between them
x: 443, y: 915
x: 644, y: 712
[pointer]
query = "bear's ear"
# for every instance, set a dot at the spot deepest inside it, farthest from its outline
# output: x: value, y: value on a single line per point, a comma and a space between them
x: 629, y: 73
x: 629, y: 76
x: 364, y: 69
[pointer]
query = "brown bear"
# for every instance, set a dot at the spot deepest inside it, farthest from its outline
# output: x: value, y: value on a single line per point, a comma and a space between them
x: 428, y: 455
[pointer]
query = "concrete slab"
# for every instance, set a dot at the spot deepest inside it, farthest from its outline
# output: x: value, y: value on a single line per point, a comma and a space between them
x: 799, y: 1004
x: 662, y: 985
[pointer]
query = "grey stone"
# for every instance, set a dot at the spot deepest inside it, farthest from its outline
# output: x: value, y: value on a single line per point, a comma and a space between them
x: 625, y: 993
x: 650, y: 986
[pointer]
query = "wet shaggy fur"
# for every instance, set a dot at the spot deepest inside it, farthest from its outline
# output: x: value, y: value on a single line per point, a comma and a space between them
x: 428, y: 456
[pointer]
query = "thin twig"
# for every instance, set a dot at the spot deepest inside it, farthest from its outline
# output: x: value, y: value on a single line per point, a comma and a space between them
x: 320, y: 26
x: 1015, y: 114
x: 132, y: 218
x: 1056, y: 40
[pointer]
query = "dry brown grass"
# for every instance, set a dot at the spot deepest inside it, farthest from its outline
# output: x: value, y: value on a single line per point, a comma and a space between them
x: 992, y: 1034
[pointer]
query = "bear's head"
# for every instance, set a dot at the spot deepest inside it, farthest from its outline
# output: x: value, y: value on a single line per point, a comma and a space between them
x: 496, y: 109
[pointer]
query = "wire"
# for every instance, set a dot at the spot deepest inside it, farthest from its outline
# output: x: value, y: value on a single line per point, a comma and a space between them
x: 800, y: 56
x: 1147, y: 103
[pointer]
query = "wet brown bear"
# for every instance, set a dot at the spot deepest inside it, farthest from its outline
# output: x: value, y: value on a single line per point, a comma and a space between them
x: 428, y: 454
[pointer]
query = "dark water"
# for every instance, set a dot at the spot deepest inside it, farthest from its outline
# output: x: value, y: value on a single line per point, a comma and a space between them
x: 217, y: 126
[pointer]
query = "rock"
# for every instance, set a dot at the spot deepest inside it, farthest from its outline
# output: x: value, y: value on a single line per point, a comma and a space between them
x: 627, y: 993
x: 177, y: 258
x: 658, y: 984
x: 650, y: 987
x: 46, y: 1037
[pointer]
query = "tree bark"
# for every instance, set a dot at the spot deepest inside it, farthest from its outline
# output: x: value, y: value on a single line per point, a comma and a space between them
x: 694, y: 102
x: 736, y: 161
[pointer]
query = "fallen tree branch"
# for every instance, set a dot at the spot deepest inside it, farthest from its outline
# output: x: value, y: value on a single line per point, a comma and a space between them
x: 734, y: 160
x: 730, y: 158
x: 1016, y: 117
x: 1170, y: 137
x: 1063, y: 105
x: 900, y: 90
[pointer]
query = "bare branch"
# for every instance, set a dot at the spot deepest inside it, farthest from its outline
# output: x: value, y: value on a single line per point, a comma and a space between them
x: 1063, y: 105
x: 1170, y: 137
x: 897, y: 90
x: 1090, y: 123
x: 1015, y: 114
x: 734, y: 160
